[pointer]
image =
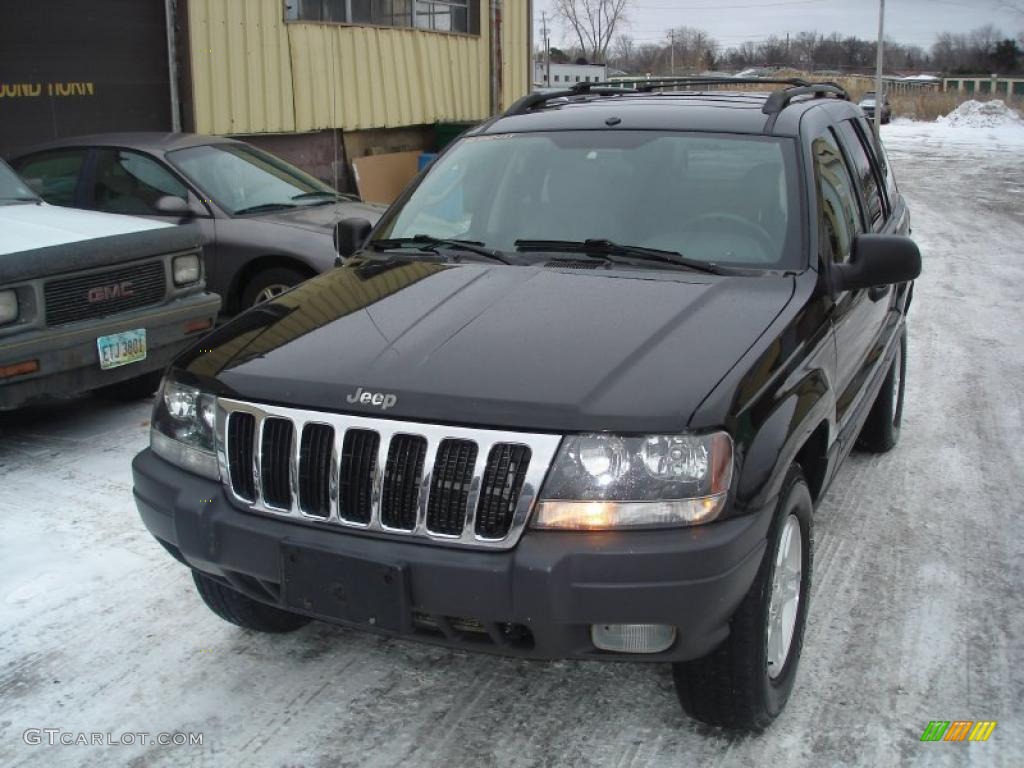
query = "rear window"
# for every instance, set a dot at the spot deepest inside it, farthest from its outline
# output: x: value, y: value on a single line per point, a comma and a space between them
x: 727, y: 200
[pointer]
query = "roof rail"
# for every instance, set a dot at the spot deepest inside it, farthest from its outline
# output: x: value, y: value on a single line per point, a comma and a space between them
x: 645, y: 85
x: 532, y: 100
x: 777, y: 100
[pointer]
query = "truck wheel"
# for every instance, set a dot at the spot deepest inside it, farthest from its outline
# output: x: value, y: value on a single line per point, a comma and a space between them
x: 132, y: 389
x: 745, y: 682
x: 270, y: 284
x: 881, y: 430
x: 238, y: 609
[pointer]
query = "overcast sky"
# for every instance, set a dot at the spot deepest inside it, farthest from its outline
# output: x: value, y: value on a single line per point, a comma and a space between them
x: 732, y: 22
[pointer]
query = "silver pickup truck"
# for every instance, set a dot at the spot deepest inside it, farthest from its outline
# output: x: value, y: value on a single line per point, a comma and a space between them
x: 92, y: 301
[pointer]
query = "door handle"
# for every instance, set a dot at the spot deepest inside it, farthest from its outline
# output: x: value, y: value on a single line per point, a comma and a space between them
x: 878, y: 292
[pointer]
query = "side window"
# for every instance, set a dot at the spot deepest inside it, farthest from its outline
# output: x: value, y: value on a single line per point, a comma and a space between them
x: 127, y: 182
x: 53, y: 175
x: 837, y: 209
x: 888, y: 178
x: 861, y: 161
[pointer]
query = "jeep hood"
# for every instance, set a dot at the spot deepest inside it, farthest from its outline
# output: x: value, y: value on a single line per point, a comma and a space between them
x: 530, y: 348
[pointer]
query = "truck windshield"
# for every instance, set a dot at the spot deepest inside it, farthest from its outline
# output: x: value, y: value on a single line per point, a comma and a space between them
x: 12, y: 189
x: 720, y: 199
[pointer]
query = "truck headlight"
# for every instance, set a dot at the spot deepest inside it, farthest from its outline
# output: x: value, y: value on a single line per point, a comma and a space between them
x: 183, y: 428
x: 603, y: 481
x: 186, y: 269
x: 8, y: 306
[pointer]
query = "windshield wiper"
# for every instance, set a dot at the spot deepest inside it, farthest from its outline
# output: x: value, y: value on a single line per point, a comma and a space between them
x: 20, y: 198
x: 606, y: 248
x: 431, y: 243
x: 265, y: 207
x: 330, y: 195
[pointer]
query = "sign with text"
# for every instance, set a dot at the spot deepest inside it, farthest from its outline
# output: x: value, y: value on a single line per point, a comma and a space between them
x: 69, y: 68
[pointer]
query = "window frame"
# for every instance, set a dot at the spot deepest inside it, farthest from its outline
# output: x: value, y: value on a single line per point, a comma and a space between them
x: 829, y: 134
x: 89, y: 188
x: 840, y: 132
x: 473, y: 18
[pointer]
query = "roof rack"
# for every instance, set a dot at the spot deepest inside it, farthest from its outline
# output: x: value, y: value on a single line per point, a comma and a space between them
x: 645, y: 85
x: 528, y: 102
x: 777, y: 100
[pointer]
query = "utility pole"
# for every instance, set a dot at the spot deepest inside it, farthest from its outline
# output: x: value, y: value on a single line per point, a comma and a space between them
x: 547, y: 48
x: 672, y: 48
x: 879, y: 95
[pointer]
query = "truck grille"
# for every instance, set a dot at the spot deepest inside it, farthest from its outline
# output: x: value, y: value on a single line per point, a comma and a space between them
x: 104, y: 292
x: 473, y: 487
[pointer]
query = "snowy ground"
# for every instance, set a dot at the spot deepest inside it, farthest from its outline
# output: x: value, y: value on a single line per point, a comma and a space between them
x: 916, y: 613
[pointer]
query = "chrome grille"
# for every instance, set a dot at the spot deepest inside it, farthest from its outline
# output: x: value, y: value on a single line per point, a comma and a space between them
x: 104, y: 292
x: 454, y: 485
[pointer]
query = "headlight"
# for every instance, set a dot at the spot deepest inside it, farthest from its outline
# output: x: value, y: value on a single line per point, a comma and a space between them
x: 605, y: 481
x: 183, y: 428
x: 187, y: 269
x: 8, y: 306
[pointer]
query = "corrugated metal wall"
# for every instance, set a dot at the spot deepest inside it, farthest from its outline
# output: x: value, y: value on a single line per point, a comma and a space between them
x: 252, y: 73
x: 517, y: 75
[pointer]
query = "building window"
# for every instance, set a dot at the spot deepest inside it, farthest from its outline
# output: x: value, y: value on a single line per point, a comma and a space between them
x: 577, y: 78
x: 437, y: 15
x: 556, y: 78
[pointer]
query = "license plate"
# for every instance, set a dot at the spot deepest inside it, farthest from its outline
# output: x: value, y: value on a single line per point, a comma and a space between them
x: 121, y: 348
x: 344, y: 588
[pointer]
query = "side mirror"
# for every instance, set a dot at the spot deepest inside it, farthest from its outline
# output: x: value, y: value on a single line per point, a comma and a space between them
x: 877, y: 260
x: 350, y: 235
x: 169, y: 205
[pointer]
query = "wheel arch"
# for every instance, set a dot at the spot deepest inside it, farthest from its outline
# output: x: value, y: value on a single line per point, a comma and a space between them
x: 800, y: 428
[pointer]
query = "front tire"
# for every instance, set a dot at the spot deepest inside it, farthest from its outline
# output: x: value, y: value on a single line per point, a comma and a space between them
x: 746, y: 682
x: 243, y: 611
x: 881, y: 430
x: 270, y: 284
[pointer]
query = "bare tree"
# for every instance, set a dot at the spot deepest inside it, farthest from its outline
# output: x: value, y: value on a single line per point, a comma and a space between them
x: 593, y: 23
x: 623, y: 51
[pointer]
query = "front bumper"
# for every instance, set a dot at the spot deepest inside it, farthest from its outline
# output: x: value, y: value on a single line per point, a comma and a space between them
x: 69, y: 361
x: 551, y: 587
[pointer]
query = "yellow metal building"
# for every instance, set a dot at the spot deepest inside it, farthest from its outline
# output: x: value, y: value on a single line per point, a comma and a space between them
x: 324, y: 92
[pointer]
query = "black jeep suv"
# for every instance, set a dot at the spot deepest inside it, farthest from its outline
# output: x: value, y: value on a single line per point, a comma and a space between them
x: 576, y: 395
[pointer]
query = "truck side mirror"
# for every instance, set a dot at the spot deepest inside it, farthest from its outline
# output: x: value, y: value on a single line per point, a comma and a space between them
x: 877, y: 260
x: 350, y: 235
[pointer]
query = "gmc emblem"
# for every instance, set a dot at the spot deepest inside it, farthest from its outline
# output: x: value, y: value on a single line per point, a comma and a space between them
x: 120, y: 290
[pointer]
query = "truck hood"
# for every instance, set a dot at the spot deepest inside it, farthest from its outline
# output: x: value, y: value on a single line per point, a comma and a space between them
x: 530, y: 348
x: 28, y: 226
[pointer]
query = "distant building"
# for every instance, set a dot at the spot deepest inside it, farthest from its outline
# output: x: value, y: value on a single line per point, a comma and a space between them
x: 563, y: 75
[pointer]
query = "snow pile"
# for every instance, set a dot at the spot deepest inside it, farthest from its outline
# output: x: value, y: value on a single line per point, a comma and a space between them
x: 983, y: 114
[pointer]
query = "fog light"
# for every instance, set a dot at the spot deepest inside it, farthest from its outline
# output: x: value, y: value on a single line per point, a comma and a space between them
x: 633, y: 638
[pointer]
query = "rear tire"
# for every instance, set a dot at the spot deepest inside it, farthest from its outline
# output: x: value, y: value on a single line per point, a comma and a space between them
x: 138, y: 388
x: 243, y: 611
x: 881, y: 430
x: 737, y: 686
x: 269, y: 284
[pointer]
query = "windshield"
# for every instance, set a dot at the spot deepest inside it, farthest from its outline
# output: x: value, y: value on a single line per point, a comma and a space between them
x: 12, y: 189
x: 726, y: 200
x: 238, y: 177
